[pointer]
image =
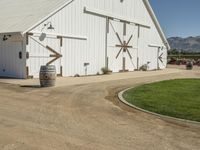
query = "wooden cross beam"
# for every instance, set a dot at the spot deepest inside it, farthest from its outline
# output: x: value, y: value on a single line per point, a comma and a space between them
x: 124, y: 46
x: 55, y: 54
x: 161, y: 58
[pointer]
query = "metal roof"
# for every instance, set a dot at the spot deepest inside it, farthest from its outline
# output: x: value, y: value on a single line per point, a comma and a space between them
x: 19, y: 15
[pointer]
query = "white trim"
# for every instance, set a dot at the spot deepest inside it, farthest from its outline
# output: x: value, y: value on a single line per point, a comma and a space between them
x: 18, y: 32
x: 62, y: 35
x: 47, y: 17
x: 154, y: 45
x: 157, y: 24
x: 106, y: 14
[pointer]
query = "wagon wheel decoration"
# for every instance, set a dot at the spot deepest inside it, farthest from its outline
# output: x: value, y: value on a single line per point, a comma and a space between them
x: 123, y: 45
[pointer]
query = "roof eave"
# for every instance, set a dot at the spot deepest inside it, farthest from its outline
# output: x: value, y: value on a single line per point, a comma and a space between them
x: 47, y: 17
x: 156, y: 22
x: 16, y: 32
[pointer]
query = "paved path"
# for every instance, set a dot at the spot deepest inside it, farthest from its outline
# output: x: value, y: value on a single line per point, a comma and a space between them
x: 88, y: 117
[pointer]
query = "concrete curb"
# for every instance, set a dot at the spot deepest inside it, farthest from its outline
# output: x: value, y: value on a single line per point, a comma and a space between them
x: 120, y: 96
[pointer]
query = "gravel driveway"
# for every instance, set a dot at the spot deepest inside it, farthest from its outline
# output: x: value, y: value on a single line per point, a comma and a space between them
x: 87, y: 117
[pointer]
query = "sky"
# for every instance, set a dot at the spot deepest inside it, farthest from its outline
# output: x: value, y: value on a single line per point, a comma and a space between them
x: 178, y: 18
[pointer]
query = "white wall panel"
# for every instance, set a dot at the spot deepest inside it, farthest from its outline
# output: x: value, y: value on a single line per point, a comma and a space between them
x: 39, y: 55
x: 72, y: 20
x: 163, y: 53
x: 10, y: 63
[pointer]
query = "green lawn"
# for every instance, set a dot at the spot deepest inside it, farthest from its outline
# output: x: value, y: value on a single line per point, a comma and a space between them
x: 177, y: 98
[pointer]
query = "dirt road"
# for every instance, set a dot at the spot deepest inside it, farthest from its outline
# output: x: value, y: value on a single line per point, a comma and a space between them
x: 87, y: 117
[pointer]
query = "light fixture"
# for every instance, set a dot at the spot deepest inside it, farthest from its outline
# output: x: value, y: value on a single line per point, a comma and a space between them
x: 50, y: 27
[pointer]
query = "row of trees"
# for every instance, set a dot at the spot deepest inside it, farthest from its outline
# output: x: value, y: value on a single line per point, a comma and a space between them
x: 181, y: 52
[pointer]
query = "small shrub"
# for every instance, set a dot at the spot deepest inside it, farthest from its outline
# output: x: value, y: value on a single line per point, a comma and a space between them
x: 144, y: 67
x: 106, y: 70
x: 76, y: 75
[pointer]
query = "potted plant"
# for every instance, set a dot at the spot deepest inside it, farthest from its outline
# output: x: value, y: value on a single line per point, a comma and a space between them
x: 106, y: 70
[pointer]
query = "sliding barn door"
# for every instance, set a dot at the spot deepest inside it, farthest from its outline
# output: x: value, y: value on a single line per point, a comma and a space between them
x: 43, y: 50
x: 121, y: 46
x: 162, y: 58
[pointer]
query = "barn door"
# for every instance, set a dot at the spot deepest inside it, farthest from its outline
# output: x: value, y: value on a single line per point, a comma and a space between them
x: 152, y: 58
x: 11, y: 58
x: 120, y: 42
x: 162, y: 57
x: 43, y: 50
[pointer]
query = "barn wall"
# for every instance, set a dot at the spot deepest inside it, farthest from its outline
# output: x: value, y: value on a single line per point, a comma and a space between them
x: 72, y: 21
x: 151, y: 37
x: 10, y: 64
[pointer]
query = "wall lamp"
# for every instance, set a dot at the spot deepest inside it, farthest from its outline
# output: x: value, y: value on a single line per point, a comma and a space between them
x: 49, y: 24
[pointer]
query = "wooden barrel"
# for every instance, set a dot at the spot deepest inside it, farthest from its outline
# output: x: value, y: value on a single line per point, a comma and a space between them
x: 47, y: 76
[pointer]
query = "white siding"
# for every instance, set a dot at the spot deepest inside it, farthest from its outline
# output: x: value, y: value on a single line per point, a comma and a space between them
x: 71, y: 20
x: 10, y: 64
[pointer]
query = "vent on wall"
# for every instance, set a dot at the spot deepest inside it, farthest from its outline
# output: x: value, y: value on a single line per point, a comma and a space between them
x: 121, y: 1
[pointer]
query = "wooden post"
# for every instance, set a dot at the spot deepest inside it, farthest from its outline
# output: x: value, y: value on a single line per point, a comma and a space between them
x: 137, y: 63
x: 61, y: 40
x: 107, y: 62
x: 124, y: 64
x: 124, y: 29
x: 27, y: 74
x: 27, y: 37
x: 61, y: 72
x: 106, y: 42
x: 138, y: 38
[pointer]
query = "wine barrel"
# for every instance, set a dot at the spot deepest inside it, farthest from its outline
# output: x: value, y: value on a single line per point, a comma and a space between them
x: 47, y: 76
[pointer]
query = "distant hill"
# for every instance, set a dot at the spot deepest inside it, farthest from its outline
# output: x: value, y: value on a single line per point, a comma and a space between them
x: 190, y: 44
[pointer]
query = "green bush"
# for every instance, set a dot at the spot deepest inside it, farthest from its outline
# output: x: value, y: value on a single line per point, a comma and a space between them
x: 144, y: 67
x: 106, y: 70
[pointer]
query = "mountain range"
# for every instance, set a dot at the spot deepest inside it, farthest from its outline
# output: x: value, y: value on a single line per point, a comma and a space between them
x: 189, y: 44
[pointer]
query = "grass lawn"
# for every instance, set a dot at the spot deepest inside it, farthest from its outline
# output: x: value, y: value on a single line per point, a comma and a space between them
x: 176, y: 98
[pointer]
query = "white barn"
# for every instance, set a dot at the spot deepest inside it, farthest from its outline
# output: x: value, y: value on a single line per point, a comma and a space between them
x: 79, y: 36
